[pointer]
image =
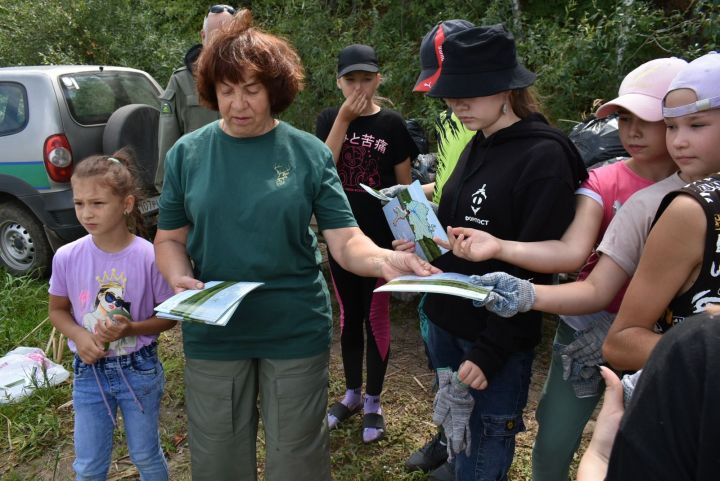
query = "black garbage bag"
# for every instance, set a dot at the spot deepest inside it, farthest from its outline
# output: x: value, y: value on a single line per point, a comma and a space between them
x: 423, y: 168
x: 418, y: 135
x: 598, y: 140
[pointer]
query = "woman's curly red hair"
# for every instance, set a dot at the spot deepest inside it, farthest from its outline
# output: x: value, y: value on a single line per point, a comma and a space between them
x: 238, y: 49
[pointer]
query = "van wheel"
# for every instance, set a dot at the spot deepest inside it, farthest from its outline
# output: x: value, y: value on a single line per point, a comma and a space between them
x: 24, y: 248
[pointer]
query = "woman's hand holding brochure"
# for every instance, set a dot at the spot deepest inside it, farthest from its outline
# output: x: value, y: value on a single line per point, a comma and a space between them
x: 214, y: 304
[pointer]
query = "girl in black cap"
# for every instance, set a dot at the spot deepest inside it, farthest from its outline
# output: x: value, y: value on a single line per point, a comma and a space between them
x: 370, y: 145
x: 516, y: 178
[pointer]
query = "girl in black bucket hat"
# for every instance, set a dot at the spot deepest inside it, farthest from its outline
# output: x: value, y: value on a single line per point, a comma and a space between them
x: 516, y: 180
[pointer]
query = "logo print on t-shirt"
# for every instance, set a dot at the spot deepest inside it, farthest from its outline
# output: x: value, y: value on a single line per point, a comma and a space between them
x: 477, y: 198
x: 358, y: 164
x: 281, y: 174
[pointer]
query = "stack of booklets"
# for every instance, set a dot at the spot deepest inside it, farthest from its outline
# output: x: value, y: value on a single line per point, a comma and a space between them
x: 449, y: 283
x: 214, y: 305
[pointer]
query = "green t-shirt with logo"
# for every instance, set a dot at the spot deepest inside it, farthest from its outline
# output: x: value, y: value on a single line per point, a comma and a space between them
x: 248, y: 202
x: 452, y: 138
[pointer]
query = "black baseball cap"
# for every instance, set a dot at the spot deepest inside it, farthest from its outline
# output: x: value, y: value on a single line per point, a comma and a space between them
x: 355, y: 58
x: 431, y: 52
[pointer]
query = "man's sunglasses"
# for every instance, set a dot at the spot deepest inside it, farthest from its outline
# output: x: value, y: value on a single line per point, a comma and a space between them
x: 221, y: 9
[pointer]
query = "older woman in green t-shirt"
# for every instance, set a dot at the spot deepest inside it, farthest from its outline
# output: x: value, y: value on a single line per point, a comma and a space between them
x: 236, y: 205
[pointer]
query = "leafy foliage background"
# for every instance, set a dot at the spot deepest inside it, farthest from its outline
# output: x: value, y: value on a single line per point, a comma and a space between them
x: 580, y: 49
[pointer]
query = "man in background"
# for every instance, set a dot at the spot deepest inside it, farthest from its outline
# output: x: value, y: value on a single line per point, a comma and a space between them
x: 180, y: 110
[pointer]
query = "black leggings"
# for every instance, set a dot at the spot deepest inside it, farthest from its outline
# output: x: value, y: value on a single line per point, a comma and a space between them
x: 359, y: 306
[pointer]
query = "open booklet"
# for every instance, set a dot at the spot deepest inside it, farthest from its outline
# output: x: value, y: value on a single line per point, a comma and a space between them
x: 443, y: 283
x: 411, y: 217
x: 214, y: 305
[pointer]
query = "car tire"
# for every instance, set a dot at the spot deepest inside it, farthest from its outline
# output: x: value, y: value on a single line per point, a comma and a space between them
x: 24, y: 247
x: 135, y: 126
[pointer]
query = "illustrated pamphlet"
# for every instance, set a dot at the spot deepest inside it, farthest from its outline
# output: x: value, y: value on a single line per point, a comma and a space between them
x: 444, y: 283
x: 410, y: 216
x: 375, y: 193
x: 214, y: 305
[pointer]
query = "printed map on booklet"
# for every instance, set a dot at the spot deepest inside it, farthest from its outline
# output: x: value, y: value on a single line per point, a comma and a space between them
x: 410, y: 216
x: 444, y: 283
x: 214, y: 305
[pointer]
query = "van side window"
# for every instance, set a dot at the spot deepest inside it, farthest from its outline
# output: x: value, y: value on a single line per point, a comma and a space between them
x: 13, y: 108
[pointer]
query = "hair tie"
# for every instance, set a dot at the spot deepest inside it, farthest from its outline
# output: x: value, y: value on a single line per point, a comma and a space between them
x: 114, y: 160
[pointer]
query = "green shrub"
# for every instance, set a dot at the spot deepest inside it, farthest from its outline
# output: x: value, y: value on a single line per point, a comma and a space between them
x: 586, y: 54
x: 581, y: 49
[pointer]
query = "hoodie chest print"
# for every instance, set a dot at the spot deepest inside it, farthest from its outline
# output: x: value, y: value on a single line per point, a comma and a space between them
x: 476, y: 200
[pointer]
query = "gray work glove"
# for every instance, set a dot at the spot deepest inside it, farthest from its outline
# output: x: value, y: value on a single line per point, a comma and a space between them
x: 441, y: 403
x: 629, y: 381
x: 452, y: 409
x: 582, y: 356
x: 509, y: 294
x: 461, y: 407
x: 393, y: 190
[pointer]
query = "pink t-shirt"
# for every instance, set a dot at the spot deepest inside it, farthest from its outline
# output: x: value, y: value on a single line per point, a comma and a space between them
x: 97, y: 282
x: 610, y: 186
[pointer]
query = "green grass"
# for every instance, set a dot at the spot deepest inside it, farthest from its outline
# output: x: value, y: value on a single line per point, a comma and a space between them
x: 23, y: 305
x: 31, y: 428
x: 36, y: 433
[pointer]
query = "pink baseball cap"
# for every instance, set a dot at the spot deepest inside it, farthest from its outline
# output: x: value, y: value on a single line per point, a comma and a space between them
x: 642, y: 90
x: 702, y: 76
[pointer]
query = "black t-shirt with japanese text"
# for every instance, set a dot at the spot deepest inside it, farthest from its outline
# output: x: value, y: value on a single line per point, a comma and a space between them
x: 373, y: 146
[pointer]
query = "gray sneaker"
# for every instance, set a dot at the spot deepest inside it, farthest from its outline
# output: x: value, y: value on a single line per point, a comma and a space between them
x: 446, y: 472
x: 430, y: 456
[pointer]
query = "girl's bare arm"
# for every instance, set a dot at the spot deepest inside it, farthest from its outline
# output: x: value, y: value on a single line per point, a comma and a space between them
x: 668, y: 266
x: 565, y: 255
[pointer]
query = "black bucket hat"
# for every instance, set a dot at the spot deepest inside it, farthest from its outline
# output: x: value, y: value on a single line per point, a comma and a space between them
x: 480, y: 61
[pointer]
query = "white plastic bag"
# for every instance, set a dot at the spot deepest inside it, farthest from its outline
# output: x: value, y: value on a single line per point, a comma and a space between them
x: 25, y: 368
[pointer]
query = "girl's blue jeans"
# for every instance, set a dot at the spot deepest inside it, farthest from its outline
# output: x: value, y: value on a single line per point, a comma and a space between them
x: 134, y: 383
x: 497, y: 415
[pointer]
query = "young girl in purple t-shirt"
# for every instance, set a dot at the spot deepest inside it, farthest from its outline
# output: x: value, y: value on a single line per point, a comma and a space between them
x: 103, y: 289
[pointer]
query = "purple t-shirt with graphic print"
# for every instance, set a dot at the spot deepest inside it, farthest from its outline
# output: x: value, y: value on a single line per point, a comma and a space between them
x: 97, y: 282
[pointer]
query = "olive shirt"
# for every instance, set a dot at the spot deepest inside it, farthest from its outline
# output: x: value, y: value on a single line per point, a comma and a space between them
x: 180, y: 111
x: 248, y: 202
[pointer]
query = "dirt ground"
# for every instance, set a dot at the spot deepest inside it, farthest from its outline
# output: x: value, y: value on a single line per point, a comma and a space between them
x: 407, y: 400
